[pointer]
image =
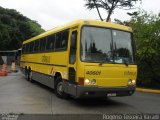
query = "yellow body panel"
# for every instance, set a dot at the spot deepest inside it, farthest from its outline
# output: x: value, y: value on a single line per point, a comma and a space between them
x: 46, y: 63
x: 111, y: 76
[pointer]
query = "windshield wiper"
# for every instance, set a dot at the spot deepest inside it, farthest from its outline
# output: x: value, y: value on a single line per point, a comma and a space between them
x: 125, y: 62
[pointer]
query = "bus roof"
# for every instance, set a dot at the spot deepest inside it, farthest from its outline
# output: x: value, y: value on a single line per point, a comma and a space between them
x: 81, y: 23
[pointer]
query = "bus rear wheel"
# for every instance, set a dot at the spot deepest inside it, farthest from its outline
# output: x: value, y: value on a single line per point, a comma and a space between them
x: 59, y: 89
x: 26, y: 73
x: 30, y: 76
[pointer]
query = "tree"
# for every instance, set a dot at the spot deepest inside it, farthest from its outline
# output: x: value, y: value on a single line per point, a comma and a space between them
x: 109, y: 6
x: 147, y: 36
x: 15, y: 28
x: 146, y: 29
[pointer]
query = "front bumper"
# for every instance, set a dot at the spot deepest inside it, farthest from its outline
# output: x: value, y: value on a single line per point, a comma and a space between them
x: 78, y: 91
x: 104, y: 92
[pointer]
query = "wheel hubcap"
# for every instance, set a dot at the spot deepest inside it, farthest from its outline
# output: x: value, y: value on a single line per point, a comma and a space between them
x: 30, y: 76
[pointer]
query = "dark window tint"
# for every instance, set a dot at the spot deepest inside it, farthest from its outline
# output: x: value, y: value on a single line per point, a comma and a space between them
x: 50, y: 42
x: 36, y: 47
x: 58, y: 41
x: 23, y: 48
x: 65, y: 39
x: 43, y: 44
x: 61, y: 40
x: 72, y: 57
x: 27, y: 47
x: 31, y: 49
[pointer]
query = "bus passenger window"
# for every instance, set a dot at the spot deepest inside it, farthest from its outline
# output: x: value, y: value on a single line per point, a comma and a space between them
x: 36, y: 46
x: 27, y: 47
x: 64, y: 39
x: 73, y: 45
x: 31, y: 47
x: 43, y: 44
x: 50, y: 43
x: 23, y: 48
x: 61, y: 40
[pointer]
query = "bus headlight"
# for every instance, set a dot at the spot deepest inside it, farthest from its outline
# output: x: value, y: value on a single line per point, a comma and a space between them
x: 133, y: 82
x: 129, y: 82
x: 86, y: 81
x: 93, y: 82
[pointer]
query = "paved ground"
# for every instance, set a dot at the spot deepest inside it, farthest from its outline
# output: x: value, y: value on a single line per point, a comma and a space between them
x: 20, y: 96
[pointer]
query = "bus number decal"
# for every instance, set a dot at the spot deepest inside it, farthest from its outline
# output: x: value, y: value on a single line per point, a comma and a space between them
x: 93, y: 72
x: 45, y: 59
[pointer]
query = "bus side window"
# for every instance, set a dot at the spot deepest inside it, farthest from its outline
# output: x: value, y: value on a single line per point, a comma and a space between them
x: 31, y: 49
x: 42, y: 44
x: 50, y: 43
x: 23, y: 48
x: 64, y: 39
x: 72, y: 57
x: 36, y: 46
x: 61, y: 40
x: 27, y: 47
x: 58, y: 41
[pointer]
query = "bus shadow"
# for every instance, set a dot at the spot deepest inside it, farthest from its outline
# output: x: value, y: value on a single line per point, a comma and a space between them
x: 87, y: 102
x: 38, y: 84
x: 97, y: 102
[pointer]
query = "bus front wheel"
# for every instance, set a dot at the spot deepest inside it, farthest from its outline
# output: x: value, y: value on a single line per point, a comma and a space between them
x: 59, y: 90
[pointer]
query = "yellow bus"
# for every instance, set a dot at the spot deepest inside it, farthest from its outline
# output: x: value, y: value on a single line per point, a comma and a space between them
x: 84, y: 58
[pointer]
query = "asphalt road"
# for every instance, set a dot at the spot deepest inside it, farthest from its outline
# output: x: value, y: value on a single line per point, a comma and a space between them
x: 20, y: 96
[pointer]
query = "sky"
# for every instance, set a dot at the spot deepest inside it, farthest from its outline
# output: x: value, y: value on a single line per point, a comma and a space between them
x: 53, y: 13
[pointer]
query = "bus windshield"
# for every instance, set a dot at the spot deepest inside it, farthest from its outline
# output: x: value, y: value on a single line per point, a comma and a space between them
x: 106, y: 45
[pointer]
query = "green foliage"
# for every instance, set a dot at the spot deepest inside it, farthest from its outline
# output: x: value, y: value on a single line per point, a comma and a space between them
x: 109, y: 5
x: 146, y: 29
x: 15, y: 28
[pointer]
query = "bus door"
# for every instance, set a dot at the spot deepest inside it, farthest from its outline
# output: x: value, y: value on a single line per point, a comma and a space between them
x: 72, y: 61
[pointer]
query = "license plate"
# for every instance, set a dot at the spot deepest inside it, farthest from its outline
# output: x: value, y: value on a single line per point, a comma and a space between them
x: 111, y: 94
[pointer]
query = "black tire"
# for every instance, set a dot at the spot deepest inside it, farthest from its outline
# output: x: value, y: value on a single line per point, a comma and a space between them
x: 59, y: 89
x: 26, y: 73
x: 30, y: 76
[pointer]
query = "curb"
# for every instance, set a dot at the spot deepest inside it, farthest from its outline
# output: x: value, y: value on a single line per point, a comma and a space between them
x: 148, y: 90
